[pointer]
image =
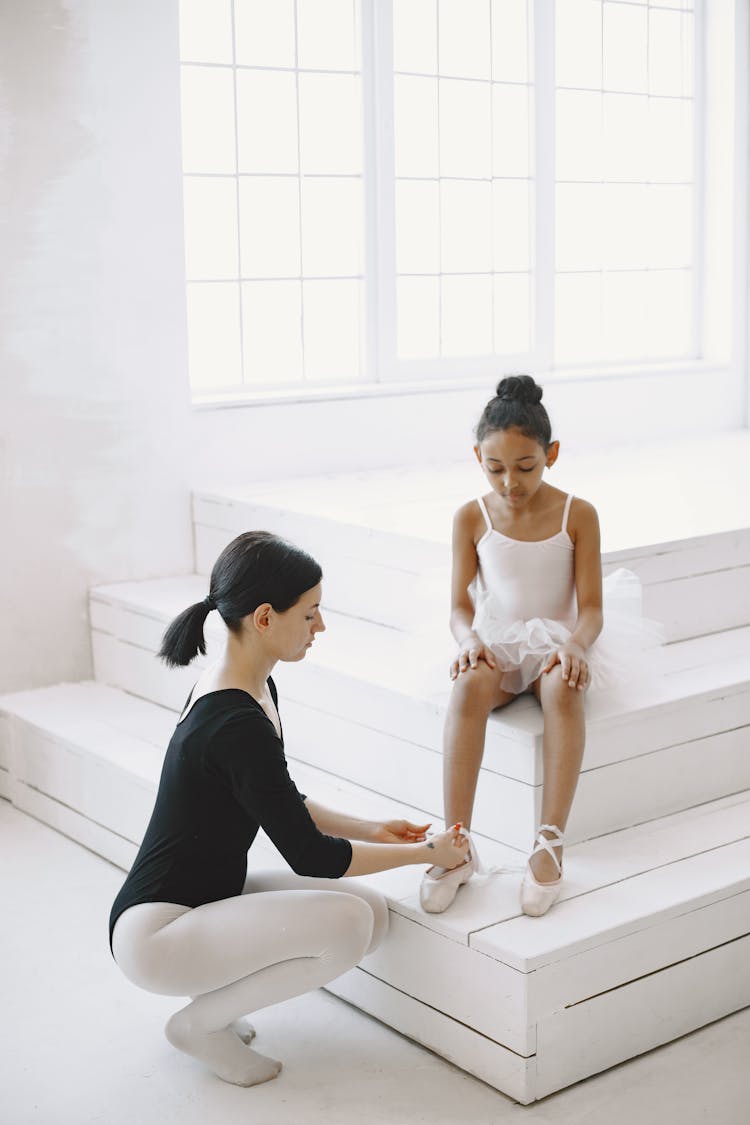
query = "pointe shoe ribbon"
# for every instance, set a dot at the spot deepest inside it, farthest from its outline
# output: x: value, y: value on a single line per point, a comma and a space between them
x: 536, y: 897
x: 440, y: 886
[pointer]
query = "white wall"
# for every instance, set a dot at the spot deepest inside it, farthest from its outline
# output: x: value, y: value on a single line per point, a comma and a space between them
x: 93, y: 390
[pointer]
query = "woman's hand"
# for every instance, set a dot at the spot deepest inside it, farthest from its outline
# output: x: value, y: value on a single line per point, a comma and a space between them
x: 449, y: 849
x: 471, y: 652
x: 575, y: 667
x: 398, y: 832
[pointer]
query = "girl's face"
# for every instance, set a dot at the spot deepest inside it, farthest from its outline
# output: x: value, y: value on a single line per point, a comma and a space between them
x: 514, y: 464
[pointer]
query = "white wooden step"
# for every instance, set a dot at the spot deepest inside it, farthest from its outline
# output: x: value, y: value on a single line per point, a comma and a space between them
x: 649, y: 940
x: 368, y: 704
x: 383, y: 537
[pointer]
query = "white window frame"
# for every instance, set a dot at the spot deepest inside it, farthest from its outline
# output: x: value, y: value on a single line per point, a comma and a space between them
x: 720, y: 336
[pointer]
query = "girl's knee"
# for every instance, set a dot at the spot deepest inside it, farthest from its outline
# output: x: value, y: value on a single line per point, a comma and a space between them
x: 555, y: 691
x: 476, y: 687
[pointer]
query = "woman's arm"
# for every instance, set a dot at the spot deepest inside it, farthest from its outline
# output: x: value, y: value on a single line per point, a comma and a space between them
x: 446, y: 850
x: 335, y: 823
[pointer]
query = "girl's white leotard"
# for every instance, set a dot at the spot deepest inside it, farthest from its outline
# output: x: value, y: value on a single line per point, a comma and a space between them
x: 525, y: 608
x: 528, y: 580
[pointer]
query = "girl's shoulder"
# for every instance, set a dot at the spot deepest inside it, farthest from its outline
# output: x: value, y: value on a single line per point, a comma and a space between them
x: 468, y: 520
x: 582, y: 518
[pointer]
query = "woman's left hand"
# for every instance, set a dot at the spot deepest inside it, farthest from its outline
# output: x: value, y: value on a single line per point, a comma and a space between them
x: 399, y: 832
x: 575, y: 667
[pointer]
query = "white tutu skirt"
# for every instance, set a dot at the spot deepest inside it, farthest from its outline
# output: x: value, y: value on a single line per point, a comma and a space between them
x: 624, y: 650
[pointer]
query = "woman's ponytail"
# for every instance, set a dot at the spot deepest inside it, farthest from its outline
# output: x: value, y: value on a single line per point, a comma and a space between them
x: 184, y: 638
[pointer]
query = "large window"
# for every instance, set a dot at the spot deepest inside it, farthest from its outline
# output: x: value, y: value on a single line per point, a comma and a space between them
x: 415, y: 189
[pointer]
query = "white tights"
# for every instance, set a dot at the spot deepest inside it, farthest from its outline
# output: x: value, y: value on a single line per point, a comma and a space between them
x: 284, y: 935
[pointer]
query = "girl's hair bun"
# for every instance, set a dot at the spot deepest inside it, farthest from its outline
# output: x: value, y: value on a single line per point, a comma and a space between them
x: 519, y: 388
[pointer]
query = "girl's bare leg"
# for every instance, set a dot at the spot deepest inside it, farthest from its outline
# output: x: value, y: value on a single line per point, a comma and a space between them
x: 563, y: 745
x: 475, y: 693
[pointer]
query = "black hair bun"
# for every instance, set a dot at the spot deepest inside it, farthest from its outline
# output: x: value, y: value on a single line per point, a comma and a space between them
x: 519, y: 388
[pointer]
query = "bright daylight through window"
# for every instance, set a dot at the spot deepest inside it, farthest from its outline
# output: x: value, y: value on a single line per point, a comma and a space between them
x: 419, y: 189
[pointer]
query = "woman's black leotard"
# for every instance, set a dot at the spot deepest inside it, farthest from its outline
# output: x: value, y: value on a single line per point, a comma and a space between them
x: 224, y: 777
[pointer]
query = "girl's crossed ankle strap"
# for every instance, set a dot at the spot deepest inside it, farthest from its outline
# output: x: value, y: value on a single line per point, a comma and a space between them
x: 542, y: 844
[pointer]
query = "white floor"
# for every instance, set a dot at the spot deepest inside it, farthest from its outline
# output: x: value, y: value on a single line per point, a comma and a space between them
x: 79, y: 1045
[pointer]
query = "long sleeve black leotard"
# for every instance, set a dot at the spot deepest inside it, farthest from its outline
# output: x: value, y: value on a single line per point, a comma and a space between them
x: 224, y: 777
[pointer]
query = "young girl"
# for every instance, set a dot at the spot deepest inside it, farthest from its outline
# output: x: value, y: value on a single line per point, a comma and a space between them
x: 526, y: 612
x: 187, y: 921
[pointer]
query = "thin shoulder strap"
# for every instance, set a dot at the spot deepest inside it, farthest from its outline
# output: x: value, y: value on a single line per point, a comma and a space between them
x: 566, y: 512
x: 483, y: 509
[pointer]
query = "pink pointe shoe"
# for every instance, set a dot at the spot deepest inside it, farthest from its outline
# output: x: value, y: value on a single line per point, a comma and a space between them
x: 439, y: 886
x: 536, y: 897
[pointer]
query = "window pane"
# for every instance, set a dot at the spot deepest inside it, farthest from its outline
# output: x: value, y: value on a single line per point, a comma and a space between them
x: 269, y: 226
x: 466, y: 223
x: 670, y: 139
x: 206, y: 31
x: 625, y: 47
x: 464, y: 38
x: 578, y: 132
x: 267, y: 141
x: 210, y: 228
x: 272, y: 333
x: 213, y: 315
x: 510, y: 128
x: 418, y: 317
x: 466, y: 315
x: 417, y: 227
x: 625, y: 226
x: 332, y: 311
x: 624, y: 330
x: 207, y: 120
x: 669, y: 313
x: 416, y: 126
x: 625, y: 130
x: 512, y: 313
x: 415, y: 35
x: 578, y: 227
x: 330, y: 126
x: 331, y: 227
x: 264, y: 33
x: 510, y: 40
x: 670, y: 53
x: 465, y: 128
x: 670, y: 237
x: 510, y: 225
x: 578, y: 317
x: 578, y: 43
x: 326, y: 34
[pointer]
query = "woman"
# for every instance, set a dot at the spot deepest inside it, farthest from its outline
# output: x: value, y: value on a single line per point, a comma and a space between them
x: 188, y: 922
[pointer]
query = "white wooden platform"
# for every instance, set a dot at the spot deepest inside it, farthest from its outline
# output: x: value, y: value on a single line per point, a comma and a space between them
x: 368, y: 705
x: 652, y: 933
x: 650, y: 940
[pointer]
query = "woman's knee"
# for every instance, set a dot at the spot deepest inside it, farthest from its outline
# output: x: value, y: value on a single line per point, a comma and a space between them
x: 380, y: 916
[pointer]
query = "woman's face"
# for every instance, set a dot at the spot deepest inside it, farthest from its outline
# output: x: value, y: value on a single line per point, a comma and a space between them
x: 294, y: 630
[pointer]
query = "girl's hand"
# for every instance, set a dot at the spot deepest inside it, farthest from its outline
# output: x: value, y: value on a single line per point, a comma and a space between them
x: 448, y: 848
x: 575, y: 667
x: 471, y: 652
x: 399, y: 832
